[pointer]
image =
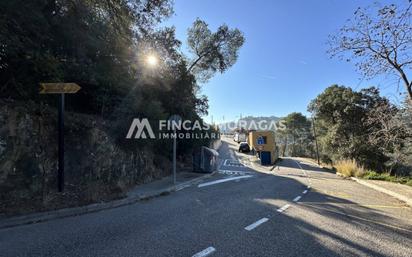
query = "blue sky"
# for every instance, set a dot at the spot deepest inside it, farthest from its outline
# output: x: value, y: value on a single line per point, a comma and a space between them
x: 283, y: 63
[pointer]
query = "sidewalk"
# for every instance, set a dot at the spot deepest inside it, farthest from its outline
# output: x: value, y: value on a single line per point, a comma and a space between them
x: 399, y: 191
x: 156, y: 188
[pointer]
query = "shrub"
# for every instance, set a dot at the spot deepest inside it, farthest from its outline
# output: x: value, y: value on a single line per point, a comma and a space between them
x: 349, y: 168
x: 387, y: 177
x: 326, y: 159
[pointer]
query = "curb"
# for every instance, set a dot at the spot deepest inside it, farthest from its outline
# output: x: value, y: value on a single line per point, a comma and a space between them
x: 384, y: 190
x: 77, y: 211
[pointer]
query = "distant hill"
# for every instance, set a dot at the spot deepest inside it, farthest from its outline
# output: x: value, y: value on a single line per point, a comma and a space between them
x: 249, y: 122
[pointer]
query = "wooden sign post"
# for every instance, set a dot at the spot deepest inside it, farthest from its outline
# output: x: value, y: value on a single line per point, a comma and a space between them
x: 60, y: 88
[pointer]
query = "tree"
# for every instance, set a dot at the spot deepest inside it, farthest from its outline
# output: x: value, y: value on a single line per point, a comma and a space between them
x: 390, y: 130
x: 343, y: 133
x: 90, y: 42
x: 213, y: 52
x: 379, y: 41
x: 298, y: 129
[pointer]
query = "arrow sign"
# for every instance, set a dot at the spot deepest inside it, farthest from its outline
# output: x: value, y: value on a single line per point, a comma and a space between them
x: 59, y: 88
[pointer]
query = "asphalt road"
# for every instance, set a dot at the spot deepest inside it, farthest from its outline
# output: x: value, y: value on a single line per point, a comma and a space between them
x: 294, y: 210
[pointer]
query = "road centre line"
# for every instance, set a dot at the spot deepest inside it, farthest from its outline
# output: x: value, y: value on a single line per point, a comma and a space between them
x: 257, y: 223
x: 297, y: 198
x: 223, y: 180
x: 304, y: 172
x: 283, y: 208
x: 304, y: 192
x: 205, y: 252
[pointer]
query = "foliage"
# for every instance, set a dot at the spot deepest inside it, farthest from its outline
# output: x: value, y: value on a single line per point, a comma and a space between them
x: 364, y: 127
x: 297, y: 136
x: 387, y: 177
x: 378, y: 39
x: 340, y: 114
x: 213, y: 52
x: 103, y: 46
x: 391, y: 132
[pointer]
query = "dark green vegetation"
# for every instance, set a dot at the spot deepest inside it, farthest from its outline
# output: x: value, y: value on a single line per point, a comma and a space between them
x: 353, y: 125
x: 387, y: 177
x: 296, y: 139
x: 362, y: 125
x: 103, y: 46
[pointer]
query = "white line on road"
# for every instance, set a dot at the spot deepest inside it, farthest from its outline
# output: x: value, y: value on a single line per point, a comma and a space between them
x: 283, y: 208
x: 304, y: 192
x: 297, y: 198
x: 257, y: 223
x: 205, y: 252
x: 223, y: 180
x: 178, y: 188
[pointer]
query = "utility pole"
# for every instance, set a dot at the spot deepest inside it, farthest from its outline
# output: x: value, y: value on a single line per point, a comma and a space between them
x: 175, y: 120
x: 174, y: 156
x: 316, y: 140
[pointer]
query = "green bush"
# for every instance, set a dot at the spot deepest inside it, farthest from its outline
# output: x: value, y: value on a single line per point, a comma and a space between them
x: 373, y: 175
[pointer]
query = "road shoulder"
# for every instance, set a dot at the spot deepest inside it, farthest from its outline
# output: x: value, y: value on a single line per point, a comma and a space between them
x: 143, y: 192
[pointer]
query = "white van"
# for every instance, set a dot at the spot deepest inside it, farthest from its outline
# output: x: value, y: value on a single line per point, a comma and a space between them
x: 239, y: 137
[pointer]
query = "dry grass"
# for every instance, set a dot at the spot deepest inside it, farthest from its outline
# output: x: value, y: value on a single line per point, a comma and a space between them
x: 349, y: 168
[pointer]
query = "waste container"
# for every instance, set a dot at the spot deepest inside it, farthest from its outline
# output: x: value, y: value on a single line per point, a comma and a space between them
x: 205, y: 160
x: 265, y: 158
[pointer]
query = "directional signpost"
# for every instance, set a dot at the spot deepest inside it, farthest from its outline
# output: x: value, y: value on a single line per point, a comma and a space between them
x: 60, y: 88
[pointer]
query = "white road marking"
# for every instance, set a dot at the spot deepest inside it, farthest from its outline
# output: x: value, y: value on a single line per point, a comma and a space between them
x: 297, y: 198
x: 233, y: 172
x: 205, y: 252
x: 181, y: 187
x: 304, y: 172
x: 223, y: 180
x: 232, y: 163
x: 283, y: 208
x: 304, y: 192
x: 257, y: 223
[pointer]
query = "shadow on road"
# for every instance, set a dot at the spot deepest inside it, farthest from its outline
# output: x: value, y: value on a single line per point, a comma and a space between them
x: 182, y: 223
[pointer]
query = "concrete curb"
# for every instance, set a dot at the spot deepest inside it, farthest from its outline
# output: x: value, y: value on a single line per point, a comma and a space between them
x: 76, y: 211
x: 384, y: 190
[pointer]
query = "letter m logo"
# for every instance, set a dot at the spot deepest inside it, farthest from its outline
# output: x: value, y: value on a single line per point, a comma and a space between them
x: 140, y: 125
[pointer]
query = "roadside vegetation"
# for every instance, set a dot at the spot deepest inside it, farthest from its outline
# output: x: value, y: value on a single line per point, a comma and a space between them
x: 349, y: 168
x: 105, y: 47
x: 360, y: 132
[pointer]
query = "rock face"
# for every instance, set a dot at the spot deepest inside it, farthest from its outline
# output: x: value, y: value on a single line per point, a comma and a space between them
x: 96, y: 169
